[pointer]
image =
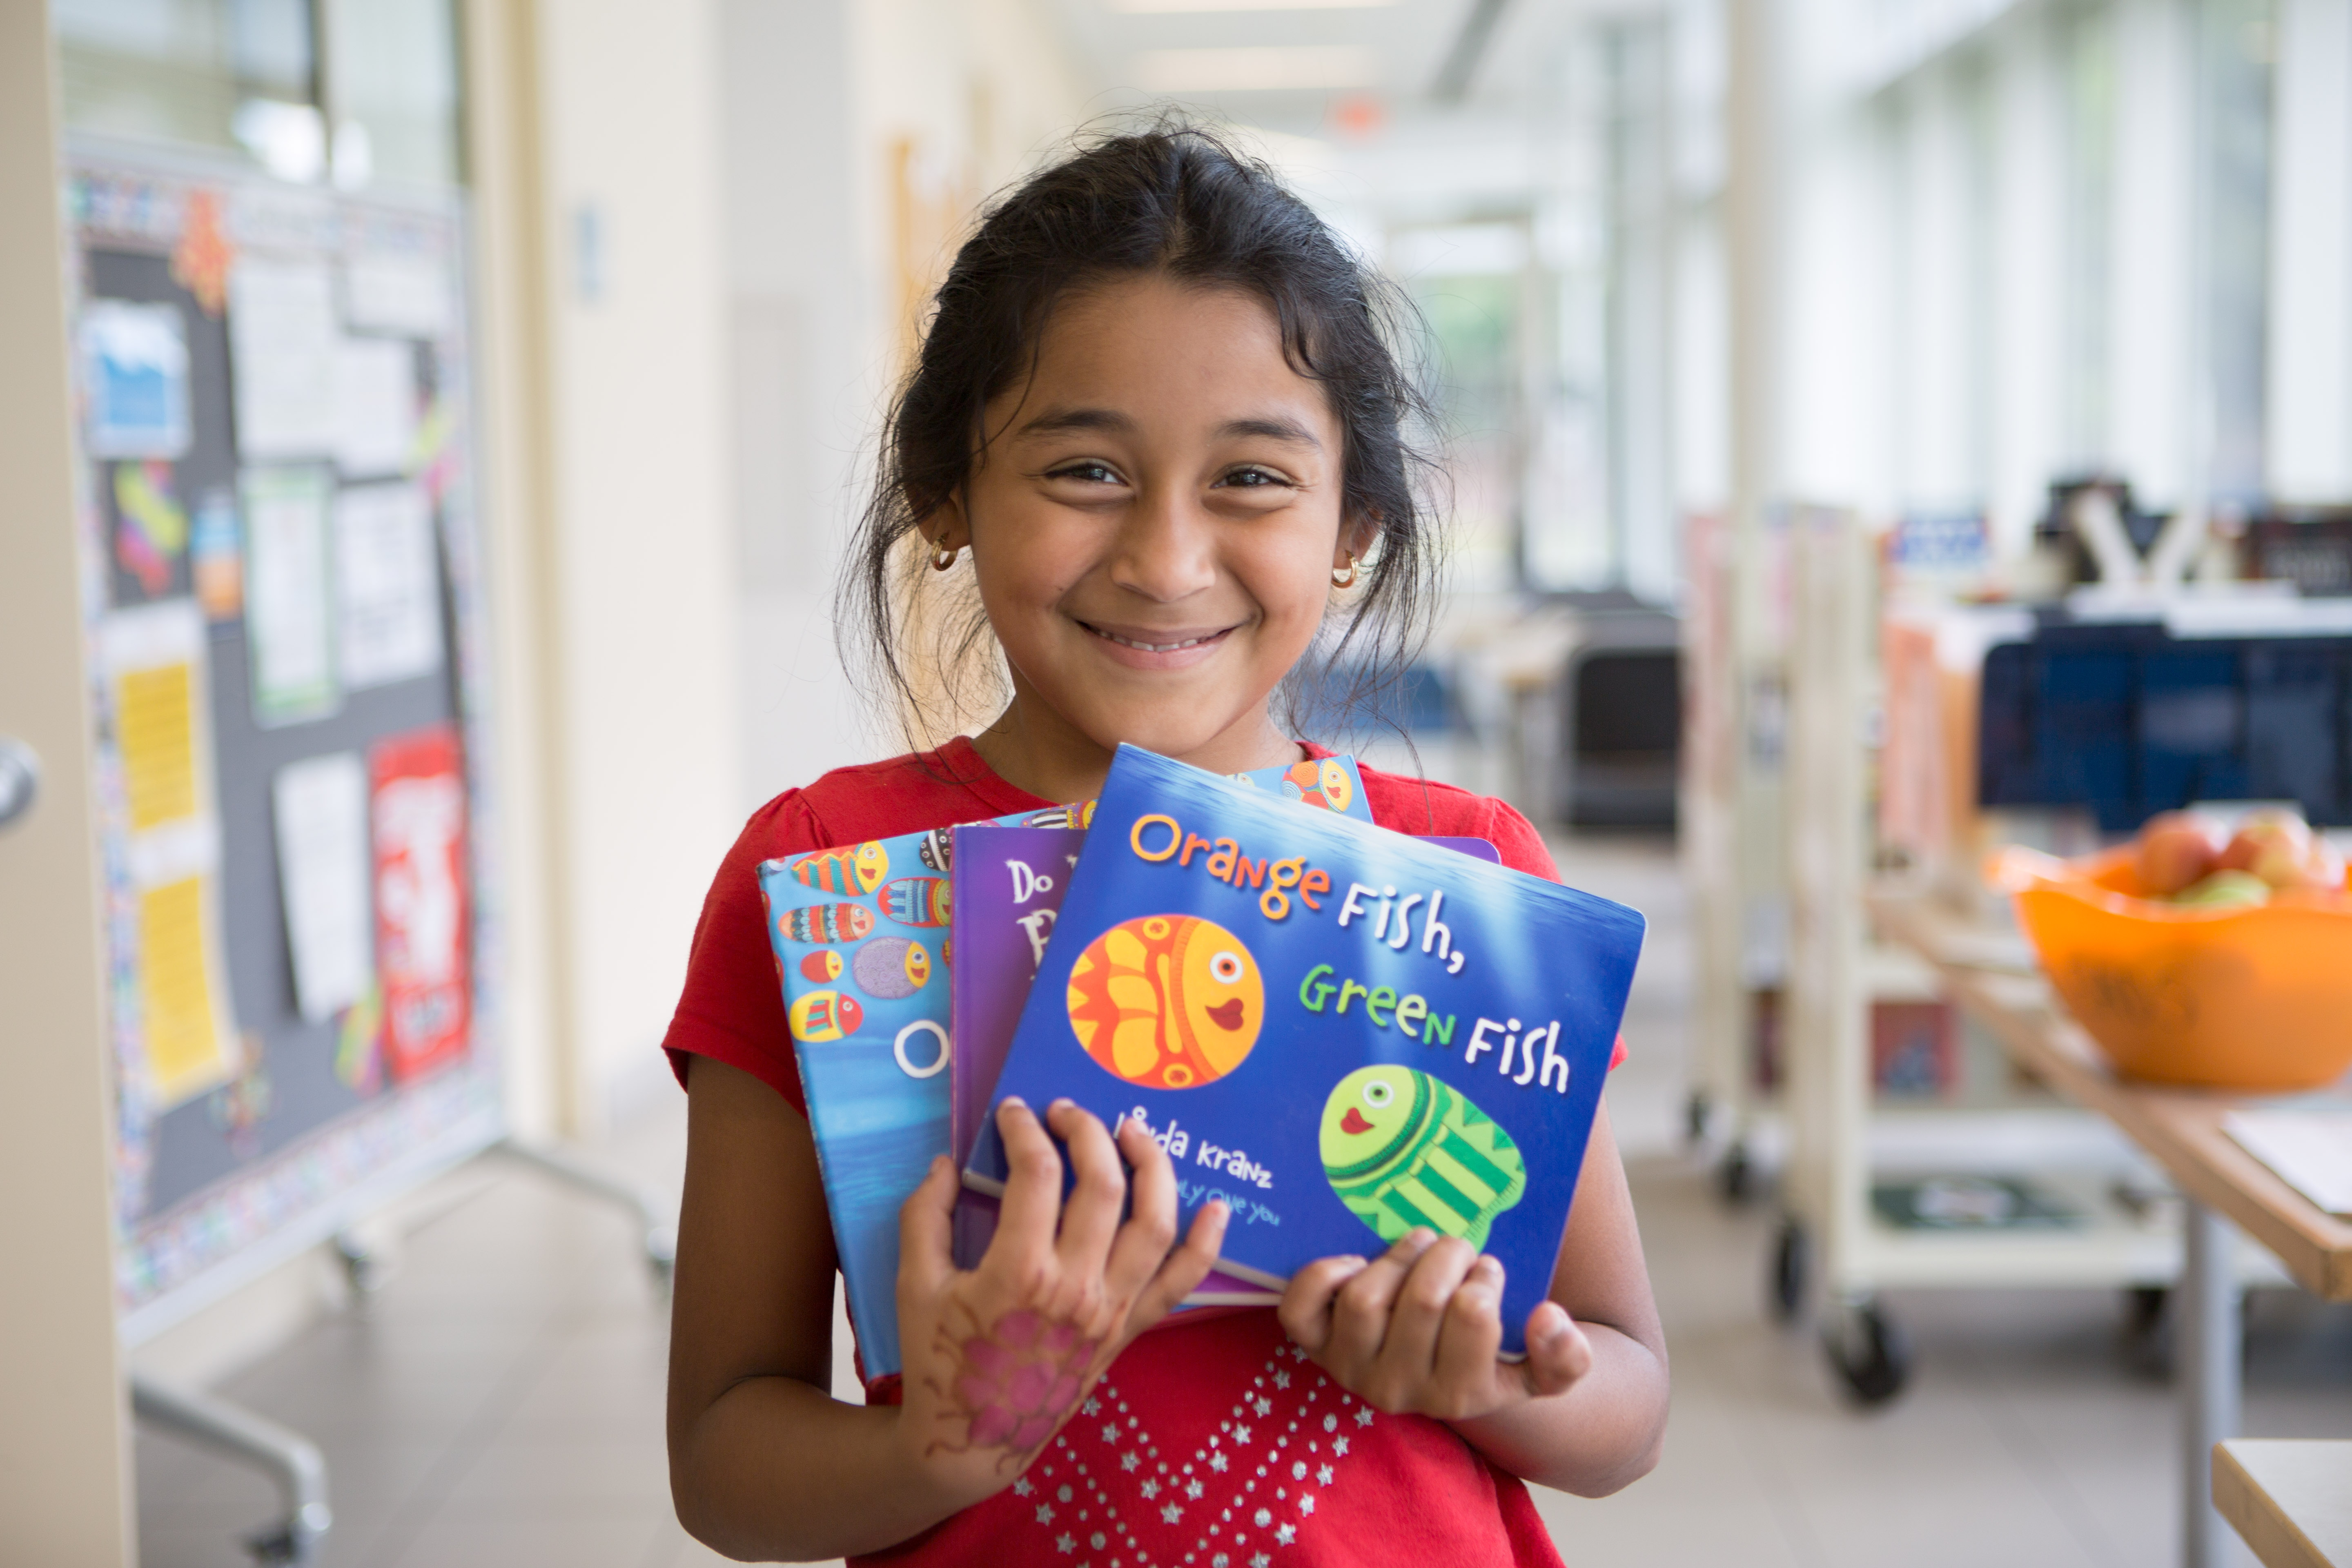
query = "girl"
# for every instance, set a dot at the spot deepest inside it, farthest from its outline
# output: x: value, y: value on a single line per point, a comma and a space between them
x: 1157, y: 406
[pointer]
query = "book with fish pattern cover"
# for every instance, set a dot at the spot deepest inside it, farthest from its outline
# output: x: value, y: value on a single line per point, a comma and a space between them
x: 864, y: 940
x: 1009, y: 883
x: 1342, y: 1032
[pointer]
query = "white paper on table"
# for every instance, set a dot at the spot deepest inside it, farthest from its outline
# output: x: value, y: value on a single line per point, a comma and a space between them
x: 288, y: 613
x: 135, y: 379
x: 2310, y: 1150
x: 282, y: 337
x: 324, y: 859
x: 375, y: 406
x: 388, y: 585
x: 407, y: 296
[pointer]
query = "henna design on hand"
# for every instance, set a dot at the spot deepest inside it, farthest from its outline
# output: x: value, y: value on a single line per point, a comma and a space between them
x: 1015, y: 1381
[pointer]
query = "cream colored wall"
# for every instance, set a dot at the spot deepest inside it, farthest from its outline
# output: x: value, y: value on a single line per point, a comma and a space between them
x: 596, y: 161
x: 969, y: 94
x: 646, y: 755
x: 818, y: 95
x: 985, y: 86
x: 993, y: 82
x: 803, y: 288
x: 64, y: 1459
x: 674, y: 456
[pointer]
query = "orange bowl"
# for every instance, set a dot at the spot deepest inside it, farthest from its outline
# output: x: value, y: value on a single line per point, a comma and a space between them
x: 2250, y: 998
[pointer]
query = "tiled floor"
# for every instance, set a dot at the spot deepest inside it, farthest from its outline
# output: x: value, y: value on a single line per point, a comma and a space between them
x: 500, y: 1403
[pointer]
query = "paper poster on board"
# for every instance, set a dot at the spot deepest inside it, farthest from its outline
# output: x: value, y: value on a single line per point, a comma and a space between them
x: 153, y: 663
x: 290, y: 616
x: 423, y: 919
x: 283, y: 337
x: 321, y: 807
x: 388, y: 585
x: 217, y: 555
x: 406, y: 296
x: 375, y: 406
x: 135, y: 379
x: 150, y: 531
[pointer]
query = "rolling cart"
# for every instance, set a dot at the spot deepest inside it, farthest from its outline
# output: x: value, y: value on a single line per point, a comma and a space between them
x: 1996, y: 1182
x: 1733, y: 712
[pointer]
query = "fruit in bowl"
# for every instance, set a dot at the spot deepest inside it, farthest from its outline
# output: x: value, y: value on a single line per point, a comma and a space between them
x: 2174, y: 851
x: 2224, y: 889
x: 2280, y: 848
x: 2238, y: 978
x: 2191, y: 859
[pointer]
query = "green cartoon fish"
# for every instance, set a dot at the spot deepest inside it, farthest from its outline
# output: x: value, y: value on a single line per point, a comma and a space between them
x: 1403, y: 1149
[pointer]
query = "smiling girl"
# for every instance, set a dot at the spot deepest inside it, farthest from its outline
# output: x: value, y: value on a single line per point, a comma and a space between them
x: 1156, y: 410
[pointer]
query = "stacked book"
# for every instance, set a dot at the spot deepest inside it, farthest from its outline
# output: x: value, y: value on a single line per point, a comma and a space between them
x: 1341, y: 1032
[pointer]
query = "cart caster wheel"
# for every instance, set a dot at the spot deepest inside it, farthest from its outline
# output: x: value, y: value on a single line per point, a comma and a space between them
x: 367, y: 1268
x: 1870, y: 1353
x: 1736, y: 1177
x: 1791, y: 1261
x: 1696, y: 1115
x: 293, y: 1545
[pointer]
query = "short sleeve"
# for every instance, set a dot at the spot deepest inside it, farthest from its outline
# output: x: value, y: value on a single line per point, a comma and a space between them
x: 732, y: 1008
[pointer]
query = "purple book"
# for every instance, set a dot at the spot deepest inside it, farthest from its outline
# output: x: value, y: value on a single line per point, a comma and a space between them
x: 1476, y: 848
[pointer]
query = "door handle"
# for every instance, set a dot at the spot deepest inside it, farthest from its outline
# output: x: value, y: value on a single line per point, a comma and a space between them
x: 20, y: 779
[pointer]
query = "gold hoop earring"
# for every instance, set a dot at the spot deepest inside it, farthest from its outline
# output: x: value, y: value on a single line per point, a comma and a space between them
x: 1347, y: 581
x: 943, y: 557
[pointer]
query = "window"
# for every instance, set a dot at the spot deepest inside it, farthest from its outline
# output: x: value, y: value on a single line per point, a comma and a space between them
x: 264, y: 79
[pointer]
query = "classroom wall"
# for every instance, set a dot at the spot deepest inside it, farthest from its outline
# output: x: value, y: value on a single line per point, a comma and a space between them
x: 805, y: 342
x: 859, y: 136
x: 643, y: 752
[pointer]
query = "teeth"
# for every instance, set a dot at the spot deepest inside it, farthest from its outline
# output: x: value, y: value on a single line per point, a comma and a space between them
x: 1150, y: 647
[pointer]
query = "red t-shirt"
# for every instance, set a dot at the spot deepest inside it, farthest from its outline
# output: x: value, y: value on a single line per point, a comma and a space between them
x: 1214, y: 1443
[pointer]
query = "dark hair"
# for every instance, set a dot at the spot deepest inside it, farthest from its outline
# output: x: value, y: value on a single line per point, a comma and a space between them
x: 1174, y: 200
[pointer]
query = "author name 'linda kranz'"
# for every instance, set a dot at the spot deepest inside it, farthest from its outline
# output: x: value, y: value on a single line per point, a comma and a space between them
x: 1173, y: 1137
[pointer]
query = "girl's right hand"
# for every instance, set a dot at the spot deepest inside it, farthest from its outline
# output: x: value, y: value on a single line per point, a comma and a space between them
x: 997, y: 1358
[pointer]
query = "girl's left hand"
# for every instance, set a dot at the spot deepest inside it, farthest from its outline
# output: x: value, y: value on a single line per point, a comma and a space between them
x: 1416, y: 1330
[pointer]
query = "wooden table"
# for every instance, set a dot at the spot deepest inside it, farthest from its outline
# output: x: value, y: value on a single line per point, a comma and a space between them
x: 2291, y: 1500
x: 1985, y: 974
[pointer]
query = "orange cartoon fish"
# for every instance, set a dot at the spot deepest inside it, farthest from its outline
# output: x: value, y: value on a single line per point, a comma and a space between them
x: 823, y: 1016
x: 915, y: 900
x: 1167, y: 1000
x: 852, y: 868
x: 1323, y: 783
x: 826, y: 922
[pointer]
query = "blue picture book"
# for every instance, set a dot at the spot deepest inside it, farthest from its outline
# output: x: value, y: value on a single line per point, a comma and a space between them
x: 1344, y: 1033
x: 861, y: 935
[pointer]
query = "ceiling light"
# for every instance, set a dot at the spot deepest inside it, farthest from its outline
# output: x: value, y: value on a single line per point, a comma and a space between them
x: 1151, y: 8
x: 1257, y: 69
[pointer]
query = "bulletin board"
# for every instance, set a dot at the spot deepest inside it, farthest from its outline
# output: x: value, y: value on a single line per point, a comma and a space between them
x: 282, y: 580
